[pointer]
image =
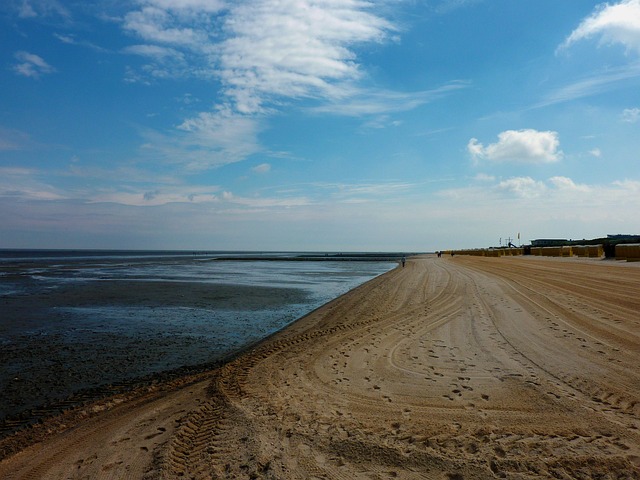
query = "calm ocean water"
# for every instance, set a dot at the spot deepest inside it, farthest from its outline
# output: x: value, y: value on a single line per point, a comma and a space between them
x: 73, y: 320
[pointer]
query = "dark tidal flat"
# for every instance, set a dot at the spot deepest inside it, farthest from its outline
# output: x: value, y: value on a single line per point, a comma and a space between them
x: 109, y: 331
x: 76, y: 328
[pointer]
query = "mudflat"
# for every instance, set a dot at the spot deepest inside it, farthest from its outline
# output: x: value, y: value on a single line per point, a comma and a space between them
x: 450, y: 368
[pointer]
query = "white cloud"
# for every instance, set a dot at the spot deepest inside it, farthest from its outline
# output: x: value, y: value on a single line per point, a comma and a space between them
x: 596, y: 152
x: 181, y: 6
x: 68, y: 39
x: 222, y: 136
x: 612, y: 23
x: 295, y: 49
x: 523, y: 187
x: 483, y: 177
x: 262, y: 168
x: 566, y: 184
x: 157, y: 25
x: 631, y: 115
x: 31, y: 65
x: 198, y: 215
x: 551, y: 195
x: 519, y: 146
x: 632, y: 186
x: 263, y: 53
x: 555, y: 207
x: 166, y: 62
x: 156, y: 52
x: 25, y: 10
x: 265, y: 49
x: 71, y: 39
x: 208, y: 140
x: 41, y: 8
x: 475, y: 148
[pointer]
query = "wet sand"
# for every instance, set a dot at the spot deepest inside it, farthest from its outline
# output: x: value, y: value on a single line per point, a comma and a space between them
x: 452, y: 368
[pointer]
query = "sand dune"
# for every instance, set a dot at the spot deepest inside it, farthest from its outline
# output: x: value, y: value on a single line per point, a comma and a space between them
x: 452, y: 368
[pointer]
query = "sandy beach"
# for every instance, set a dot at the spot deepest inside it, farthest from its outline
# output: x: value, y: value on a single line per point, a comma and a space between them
x: 450, y: 368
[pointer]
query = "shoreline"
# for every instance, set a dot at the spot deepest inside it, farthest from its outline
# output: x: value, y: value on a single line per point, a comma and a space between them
x: 450, y: 368
x: 86, y: 398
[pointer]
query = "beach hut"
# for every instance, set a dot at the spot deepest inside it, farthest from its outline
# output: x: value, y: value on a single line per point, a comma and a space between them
x: 595, y: 251
x: 581, y: 250
x: 628, y: 251
x: 566, y: 251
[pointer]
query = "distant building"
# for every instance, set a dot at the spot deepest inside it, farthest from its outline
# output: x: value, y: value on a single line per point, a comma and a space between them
x: 624, y: 237
x: 549, y: 242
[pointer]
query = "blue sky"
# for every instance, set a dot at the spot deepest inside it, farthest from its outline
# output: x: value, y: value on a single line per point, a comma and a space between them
x: 317, y: 125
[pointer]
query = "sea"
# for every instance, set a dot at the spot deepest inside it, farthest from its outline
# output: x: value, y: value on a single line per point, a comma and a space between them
x: 76, y: 324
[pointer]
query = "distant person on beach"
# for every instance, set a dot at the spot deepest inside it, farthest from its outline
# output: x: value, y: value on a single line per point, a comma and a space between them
x: 403, y: 260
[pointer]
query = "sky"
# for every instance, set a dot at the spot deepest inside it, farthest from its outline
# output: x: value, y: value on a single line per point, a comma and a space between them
x: 317, y: 125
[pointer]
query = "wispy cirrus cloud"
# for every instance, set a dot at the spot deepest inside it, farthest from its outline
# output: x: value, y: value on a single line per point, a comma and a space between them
x: 31, y: 65
x: 40, y: 8
x: 262, y: 168
x: 337, y: 193
x: 71, y: 39
x: 11, y: 139
x: 630, y: 115
x: 601, y: 82
x: 376, y: 102
x: 370, y: 190
x: 23, y: 184
x: 208, y: 140
x: 249, y: 204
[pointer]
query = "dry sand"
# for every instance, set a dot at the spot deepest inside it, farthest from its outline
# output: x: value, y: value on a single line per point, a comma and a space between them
x: 452, y: 368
